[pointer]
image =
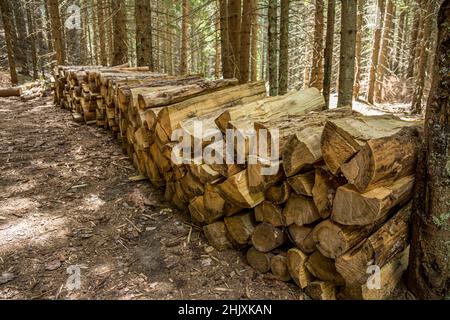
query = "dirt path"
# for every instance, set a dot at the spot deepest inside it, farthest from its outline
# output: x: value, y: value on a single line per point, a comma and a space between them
x: 67, y: 207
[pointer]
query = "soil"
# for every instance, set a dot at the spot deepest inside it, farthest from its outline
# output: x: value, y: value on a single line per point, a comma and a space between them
x: 67, y: 203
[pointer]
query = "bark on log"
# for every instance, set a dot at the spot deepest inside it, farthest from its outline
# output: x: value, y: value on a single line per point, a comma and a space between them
x: 353, y: 208
x: 10, y: 92
x: 279, y: 268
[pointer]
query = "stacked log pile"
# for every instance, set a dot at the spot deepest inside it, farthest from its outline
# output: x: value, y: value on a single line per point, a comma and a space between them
x: 325, y: 209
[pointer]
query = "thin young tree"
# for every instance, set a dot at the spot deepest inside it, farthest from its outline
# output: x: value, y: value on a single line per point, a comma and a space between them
x: 284, y: 48
x: 316, y: 79
x: 347, y: 54
x: 429, y: 265
x: 272, y: 48
x: 255, y: 37
x: 5, y: 8
x: 328, y: 55
x: 358, y: 48
x: 246, y: 27
x: 184, y: 37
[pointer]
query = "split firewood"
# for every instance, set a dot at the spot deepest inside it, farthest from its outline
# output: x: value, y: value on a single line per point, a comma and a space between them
x: 384, y: 160
x: 302, y: 237
x: 270, y: 213
x: 235, y: 189
x: 279, y: 268
x: 279, y: 193
x: 217, y: 236
x: 296, y: 262
x: 241, y: 227
x: 324, y: 269
x: 353, y: 208
x: 321, y: 290
x: 324, y: 190
x: 260, y: 261
x: 378, y: 249
x: 300, y: 210
x: 216, y: 205
x: 303, y: 183
x: 266, y: 237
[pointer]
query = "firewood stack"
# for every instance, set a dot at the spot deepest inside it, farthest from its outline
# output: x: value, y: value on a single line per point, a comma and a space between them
x: 325, y: 211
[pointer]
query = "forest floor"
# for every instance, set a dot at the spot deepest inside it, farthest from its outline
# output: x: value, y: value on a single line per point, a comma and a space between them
x: 67, y: 205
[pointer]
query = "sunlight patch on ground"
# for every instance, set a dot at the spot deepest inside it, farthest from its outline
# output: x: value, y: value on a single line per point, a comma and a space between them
x: 93, y: 202
x: 16, y: 188
x: 34, y: 230
x: 16, y: 205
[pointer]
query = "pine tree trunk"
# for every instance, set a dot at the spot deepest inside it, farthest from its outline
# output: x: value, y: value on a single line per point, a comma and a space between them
x: 384, y: 50
x: 73, y: 38
x: 184, y: 38
x: 246, y: 27
x: 398, y: 64
x: 284, y: 48
x: 32, y: 36
x: 429, y: 267
x: 272, y: 48
x: 316, y: 79
x: 347, y: 60
x: 143, y: 15
x: 234, y: 31
x: 423, y: 59
x: 22, y: 43
x: 225, y: 40
x: 414, y: 39
x: 358, y: 48
x: 94, y: 22
x: 101, y: 32
x: 58, y: 42
x: 254, y: 50
x: 120, y: 40
x: 217, y: 57
x: 110, y: 32
x: 5, y: 8
x: 329, y: 44
x: 376, y: 51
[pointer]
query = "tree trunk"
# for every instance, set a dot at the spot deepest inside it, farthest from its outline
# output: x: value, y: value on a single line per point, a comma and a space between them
x: 284, y: 48
x: 429, y: 269
x: 272, y: 48
x: 347, y: 60
x: 254, y: 49
x: 329, y: 43
x: 184, y: 38
x: 120, y: 41
x: 225, y: 40
x: 143, y: 33
x: 22, y: 43
x: 234, y: 32
x: 375, y: 51
x: 7, y: 25
x: 414, y: 39
x: 423, y: 59
x: 384, y: 50
x: 218, y: 52
x: 317, y: 63
x: 358, y: 48
x: 398, y: 62
x: 32, y: 36
x: 246, y: 26
x: 57, y: 34
x: 102, y: 32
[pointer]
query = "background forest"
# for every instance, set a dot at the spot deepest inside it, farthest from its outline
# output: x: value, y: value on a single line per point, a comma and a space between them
x: 290, y: 43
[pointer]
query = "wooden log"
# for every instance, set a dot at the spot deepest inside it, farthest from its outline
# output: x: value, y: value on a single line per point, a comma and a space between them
x: 321, y: 290
x: 266, y: 237
x: 279, y: 193
x: 333, y: 239
x: 343, y: 138
x: 235, y: 189
x: 260, y: 176
x: 10, y: 92
x: 260, y: 261
x: 296, y: 262
x: 302, y: 237
x: 390, y: 275
x: 216, y: 205
x: 279, y: 268
x: 197, y: 211
x: 303, y: 183
x: 300, y: 210
x: 217, y: 236
x: 384, y: 160
x: 240, y: 227
x: 324, y: 191
x: 353, y: 208
x: 378, y: 249
x: 302, y: 146
x: 324, y: 269
x: 270, y: 213
x: 169, y: 117
x: 204, y: 173
x: 296, y: 103
x: 191, y: 186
